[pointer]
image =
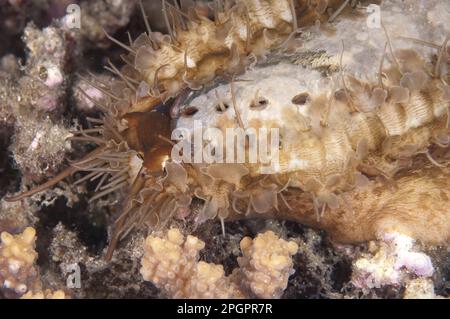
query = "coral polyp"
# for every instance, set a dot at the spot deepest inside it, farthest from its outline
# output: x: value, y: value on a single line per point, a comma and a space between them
x: 355, y: 118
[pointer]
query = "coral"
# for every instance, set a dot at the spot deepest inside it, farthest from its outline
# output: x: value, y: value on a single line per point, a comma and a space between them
x: 18, y: 270
x: 47, y: 294
x: 420, y: 288
x: 266, y: 264
x: 172, y: 264
x: 17, y: 261
x: 391, y: 262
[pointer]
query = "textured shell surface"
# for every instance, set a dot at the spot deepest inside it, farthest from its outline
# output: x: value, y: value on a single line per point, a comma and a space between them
x: 320, y: 132
x: 264, y: 98
x: 364, y: 39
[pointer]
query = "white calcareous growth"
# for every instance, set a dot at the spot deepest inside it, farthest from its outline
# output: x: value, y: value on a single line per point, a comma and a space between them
x: 393, y: 261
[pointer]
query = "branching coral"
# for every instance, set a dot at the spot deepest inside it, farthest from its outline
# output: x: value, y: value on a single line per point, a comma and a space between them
x: 172, y: 264
x: 266, y: 264
x: 18, y: 271
x: 17, y: 258
x: 47, y: 294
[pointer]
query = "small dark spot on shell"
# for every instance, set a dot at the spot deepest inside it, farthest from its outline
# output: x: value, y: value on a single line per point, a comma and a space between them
x: 280, y: 143
x: 222, y: 107
x: 43, y: 74
x: 189, y: 111
x: 259, y: 104
x: 301, y: 99
x: 341, y: 96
